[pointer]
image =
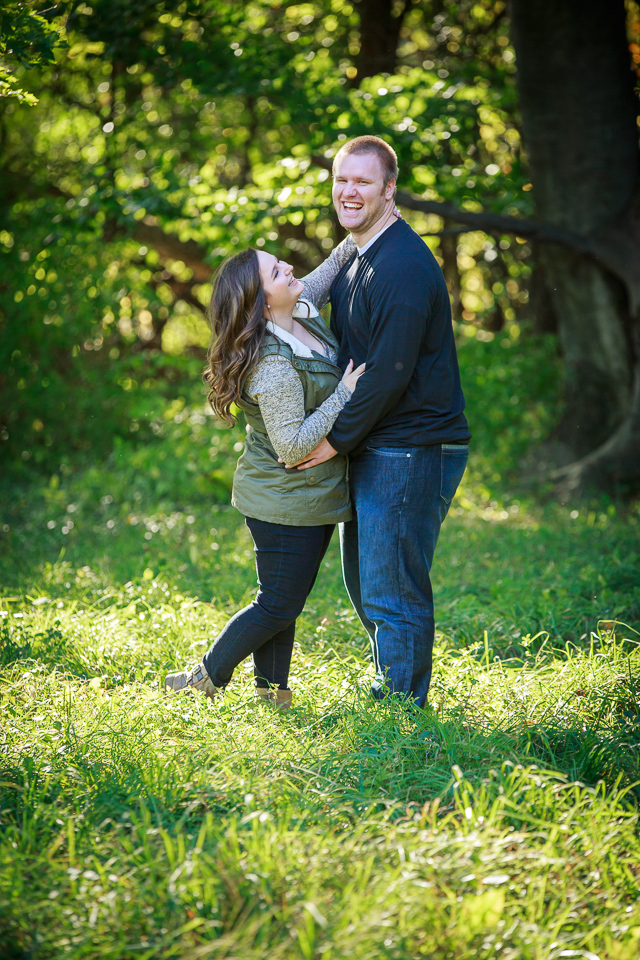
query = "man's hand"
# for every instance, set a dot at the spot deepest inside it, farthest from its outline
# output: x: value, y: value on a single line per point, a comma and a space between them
x: 324, y: 451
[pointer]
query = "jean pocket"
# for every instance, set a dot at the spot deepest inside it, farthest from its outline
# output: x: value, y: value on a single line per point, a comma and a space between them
x: 453, y: 462
x: 390, y: 451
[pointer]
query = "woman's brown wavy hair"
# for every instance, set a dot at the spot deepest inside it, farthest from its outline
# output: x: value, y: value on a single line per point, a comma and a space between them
x: 238, y: 326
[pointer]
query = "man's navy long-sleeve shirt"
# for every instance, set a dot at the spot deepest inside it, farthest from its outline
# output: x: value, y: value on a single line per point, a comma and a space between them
x: 390, y: 309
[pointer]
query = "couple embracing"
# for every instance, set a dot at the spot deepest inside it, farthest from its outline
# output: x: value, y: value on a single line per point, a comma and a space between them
x: 361, y: 425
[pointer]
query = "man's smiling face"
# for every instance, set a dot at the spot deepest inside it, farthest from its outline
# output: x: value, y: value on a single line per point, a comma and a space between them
x: 359, y: 192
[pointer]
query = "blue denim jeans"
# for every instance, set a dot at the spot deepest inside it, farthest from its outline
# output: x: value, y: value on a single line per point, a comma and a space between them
x: 400, y: 498
x: 287, y: 563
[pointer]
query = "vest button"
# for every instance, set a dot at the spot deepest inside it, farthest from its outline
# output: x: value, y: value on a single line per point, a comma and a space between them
x: 312, y: 479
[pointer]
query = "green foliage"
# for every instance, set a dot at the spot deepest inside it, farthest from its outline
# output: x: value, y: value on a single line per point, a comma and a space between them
x: 165, y: 122
x: 65, y: 332
x: 512, y: 387
x: 28, y: 38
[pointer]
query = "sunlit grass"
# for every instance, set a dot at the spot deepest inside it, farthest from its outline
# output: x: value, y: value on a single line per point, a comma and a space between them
x: 501, y: 821
x: 134, y: 824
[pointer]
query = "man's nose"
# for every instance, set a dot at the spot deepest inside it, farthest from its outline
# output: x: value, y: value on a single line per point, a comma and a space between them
x: 350, y: 190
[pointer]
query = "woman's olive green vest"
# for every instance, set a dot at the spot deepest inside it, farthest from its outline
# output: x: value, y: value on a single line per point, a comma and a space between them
x: 262, y: 487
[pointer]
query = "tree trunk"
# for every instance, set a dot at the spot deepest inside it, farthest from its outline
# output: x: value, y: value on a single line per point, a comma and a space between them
x: 597, y: 359
x: 579, y: 121
x: 379, y: 35
x: 541, y: 306
x: 449, y: 251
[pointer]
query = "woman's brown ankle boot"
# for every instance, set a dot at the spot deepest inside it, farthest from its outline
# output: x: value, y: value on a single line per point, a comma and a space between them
x: 282, y: 698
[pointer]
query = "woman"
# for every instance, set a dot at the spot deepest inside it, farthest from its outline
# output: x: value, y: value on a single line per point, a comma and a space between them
x: 273, y: 356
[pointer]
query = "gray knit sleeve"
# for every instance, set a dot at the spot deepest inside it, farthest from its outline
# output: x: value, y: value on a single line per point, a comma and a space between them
x: 276, y: 387
x: 318, y: 282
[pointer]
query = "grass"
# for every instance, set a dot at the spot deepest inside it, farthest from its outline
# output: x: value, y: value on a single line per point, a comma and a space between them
x: 502, y: 821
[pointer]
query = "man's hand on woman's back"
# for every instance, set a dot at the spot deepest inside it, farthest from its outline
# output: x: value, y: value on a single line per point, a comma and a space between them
x: 324, y: 451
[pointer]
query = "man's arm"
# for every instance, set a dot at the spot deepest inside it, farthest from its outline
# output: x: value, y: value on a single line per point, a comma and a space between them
x: 396, y: 332
x: 400, y: 310
x: 318, y: 283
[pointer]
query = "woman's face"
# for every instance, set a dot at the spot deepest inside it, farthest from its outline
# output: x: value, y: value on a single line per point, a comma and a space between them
x: 280, y: 286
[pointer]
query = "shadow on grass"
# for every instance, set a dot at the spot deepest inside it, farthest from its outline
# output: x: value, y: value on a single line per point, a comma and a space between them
x: 588, y: 755
x: 49, y: 646
x: 392, y: 754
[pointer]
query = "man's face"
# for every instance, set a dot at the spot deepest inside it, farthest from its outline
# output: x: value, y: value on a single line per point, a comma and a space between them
x: 359, y: 194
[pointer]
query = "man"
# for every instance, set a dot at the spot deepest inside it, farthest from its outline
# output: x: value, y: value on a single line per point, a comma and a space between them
x: 404, y: 428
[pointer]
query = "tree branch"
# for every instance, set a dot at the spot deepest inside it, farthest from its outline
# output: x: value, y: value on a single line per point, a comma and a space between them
x: 498, y: 222
x: 614, y: 245
x: 487, y: 221
x: 170, y: 246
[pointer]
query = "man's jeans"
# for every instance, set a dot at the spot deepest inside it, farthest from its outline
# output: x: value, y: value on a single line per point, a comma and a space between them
x: 400, y: 498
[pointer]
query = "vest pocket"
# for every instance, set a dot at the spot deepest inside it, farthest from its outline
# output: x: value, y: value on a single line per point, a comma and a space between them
x: 327, y: 484
x: 330, y: 468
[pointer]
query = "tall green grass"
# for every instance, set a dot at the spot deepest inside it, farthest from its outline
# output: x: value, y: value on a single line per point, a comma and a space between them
x: 500, y: 822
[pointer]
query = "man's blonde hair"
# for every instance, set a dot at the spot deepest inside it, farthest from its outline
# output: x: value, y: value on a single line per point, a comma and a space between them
x: 369, y: 144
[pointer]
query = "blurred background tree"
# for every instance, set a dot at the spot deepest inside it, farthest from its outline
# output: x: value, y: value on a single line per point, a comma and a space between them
x: 169, y: 134
x: 27, y: 39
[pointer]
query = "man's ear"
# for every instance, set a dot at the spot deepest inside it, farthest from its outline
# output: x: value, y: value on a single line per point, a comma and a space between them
x: 389, y: 190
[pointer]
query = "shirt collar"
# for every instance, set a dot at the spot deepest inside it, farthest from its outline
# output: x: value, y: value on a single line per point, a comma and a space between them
x: 299, y: 348
x: 304, y: 308
x: 369, y: 243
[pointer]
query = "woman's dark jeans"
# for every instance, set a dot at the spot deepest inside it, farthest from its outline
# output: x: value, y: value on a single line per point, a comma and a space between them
x: 287, y: 561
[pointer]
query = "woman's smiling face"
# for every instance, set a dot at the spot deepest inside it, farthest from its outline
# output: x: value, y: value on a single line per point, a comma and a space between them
x: 280, y: 286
